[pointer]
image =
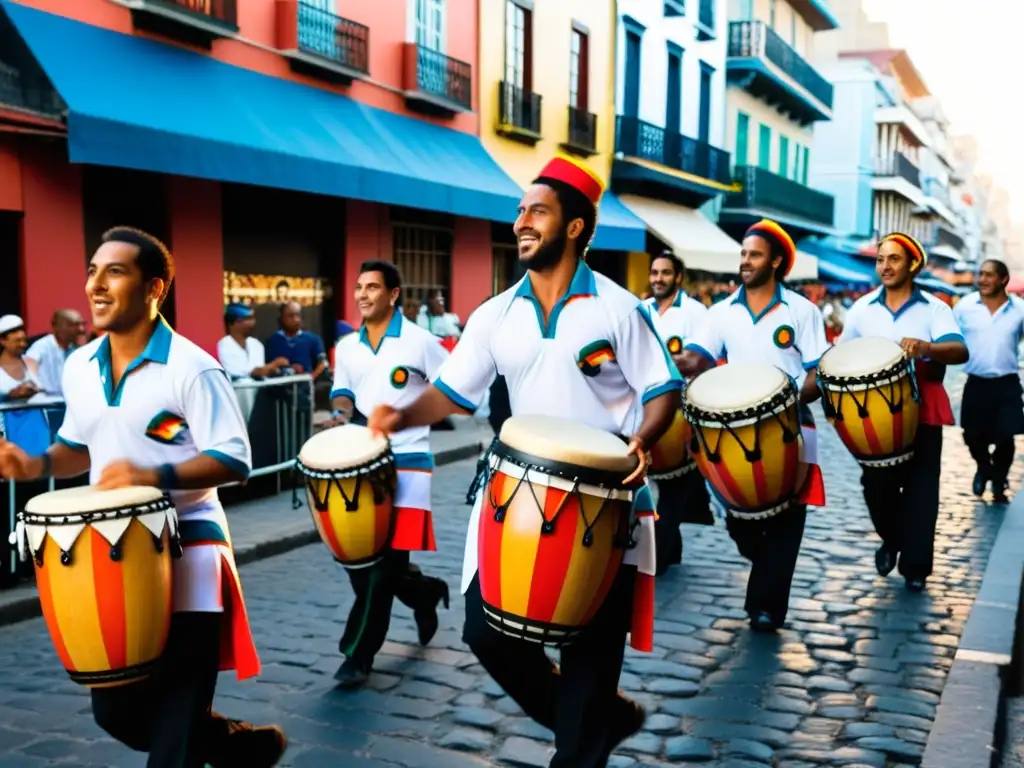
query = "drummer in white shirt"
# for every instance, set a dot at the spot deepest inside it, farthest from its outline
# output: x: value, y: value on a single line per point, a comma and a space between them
x: 765, y: 322
x: 390, y: 361
x: 241, y: 353
x: 147, y: 407
x: 676, y: 317
x: 573, y: 344
x: 990, y: 412
x: 903, y: 500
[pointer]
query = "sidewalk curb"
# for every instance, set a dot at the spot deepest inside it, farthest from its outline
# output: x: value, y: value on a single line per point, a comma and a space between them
x: 29, y: 606
x: 968, y: 730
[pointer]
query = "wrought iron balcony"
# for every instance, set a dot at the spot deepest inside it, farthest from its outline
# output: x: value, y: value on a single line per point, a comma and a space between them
x: 943, y: 236
x: 765, y: 192
x: 936, y: 190
x: 518, y: 113
x: 582, y: 133
x: 434, y: 82
x: 23, y: 85
x: 194, y: 21
x: 635, y: 138
x: 767, y: 66
x: 706, y: 20
x: 898, y: 164
x: 318, y: 40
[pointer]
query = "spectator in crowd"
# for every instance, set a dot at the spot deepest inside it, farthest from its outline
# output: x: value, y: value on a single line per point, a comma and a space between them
x: 19, y: 376
x: 434, y: 318
x: 411, y: 309
x: 303, y: 350
x: 50, y: 352
x: 242, y: 355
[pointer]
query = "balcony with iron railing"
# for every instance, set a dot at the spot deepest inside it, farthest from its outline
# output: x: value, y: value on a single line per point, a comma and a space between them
x: 582, y: 135
x: 193, y: 21
x: 703, y: 168
x: 768, y: 67
x: 519, y: 113
x: 436, y: 83
x: 898, y: 165
x: 768, y: 194
x: 942, y: 235
x: 706, y: 21
x: 317, y: 41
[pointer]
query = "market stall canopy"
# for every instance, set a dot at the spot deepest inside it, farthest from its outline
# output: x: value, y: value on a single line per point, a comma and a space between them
x: 805, y: 267
x: 693, y: 236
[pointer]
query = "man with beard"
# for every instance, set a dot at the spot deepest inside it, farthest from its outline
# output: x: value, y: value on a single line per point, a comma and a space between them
x: 765, y: 322
x: 903, y: 500
x: 540, y: 335
x: 682, y: 494
x: 990, y: 414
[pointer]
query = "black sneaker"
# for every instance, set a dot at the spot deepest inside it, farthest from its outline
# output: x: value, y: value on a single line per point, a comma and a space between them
x: 352, y: 675
x: 629, y: 719
x: 915, y: 585
x: 249, y: 746
x: 762, y: 621
x: 999, y: 491
x: 885, y: 560
x: 426, y: 617
x: 978, y: 486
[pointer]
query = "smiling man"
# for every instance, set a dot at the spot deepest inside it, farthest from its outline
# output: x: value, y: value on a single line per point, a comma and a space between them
x: 539, y: 335
x: 389, y: 362
x: 903, y: 500
x: 125, y: 393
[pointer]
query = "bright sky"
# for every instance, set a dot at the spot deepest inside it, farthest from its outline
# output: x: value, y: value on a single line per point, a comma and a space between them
x: 968, y: 54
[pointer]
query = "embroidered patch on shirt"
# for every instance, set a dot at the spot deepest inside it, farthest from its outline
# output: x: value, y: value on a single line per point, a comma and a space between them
x: 784, y: 337
x: 593, y: 355
x: 167, y: 428
x: 400, y: 376
x: 674, y: 344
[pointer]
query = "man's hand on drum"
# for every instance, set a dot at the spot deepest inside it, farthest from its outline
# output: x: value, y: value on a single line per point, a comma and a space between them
x: 15, y: 464
x: 384, y: 420
x: 121, y: 474
x: 636, y: 447
x: 915, y: 349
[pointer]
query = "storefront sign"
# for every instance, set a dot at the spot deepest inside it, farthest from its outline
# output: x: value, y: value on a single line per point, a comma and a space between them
x: 256, y: 290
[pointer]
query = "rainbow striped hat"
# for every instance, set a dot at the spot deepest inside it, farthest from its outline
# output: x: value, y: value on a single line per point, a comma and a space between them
x: 577, y: 176
x: 918, y: 255
x: 773, y: 232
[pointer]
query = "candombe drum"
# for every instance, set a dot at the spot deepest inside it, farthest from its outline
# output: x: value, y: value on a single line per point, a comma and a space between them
x: 871, y: 397
x: 104, y: 570
x: 748, y: 443
x: 670, y: 456
x: 554, y: 526
x: 350, y: 480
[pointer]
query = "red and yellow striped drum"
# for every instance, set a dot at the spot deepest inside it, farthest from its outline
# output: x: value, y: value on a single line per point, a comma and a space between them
x: 350, y: 481
x: 104, y: 572
x: 748, y: 445
x: 670, y: 456
x: 871, y: 397
x: 554, y: 526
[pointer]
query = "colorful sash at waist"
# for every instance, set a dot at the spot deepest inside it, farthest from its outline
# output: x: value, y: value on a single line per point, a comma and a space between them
x: 644, y: 557
x: 935, y: 409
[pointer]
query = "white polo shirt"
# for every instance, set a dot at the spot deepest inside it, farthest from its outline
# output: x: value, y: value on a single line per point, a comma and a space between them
x: 173, y: 402
x: 789, y: 333
x: 51, y: 358
x: 922, y: 317
x: 395, y: 374
x: 993, y: 338
x: 679, y: 322
x: 598, y: 358
x: 239, y: 362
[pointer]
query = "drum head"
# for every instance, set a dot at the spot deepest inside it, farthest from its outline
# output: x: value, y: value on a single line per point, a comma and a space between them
x: 342, y: 447
x: 860, y: 357
x: 567, y: 442
x: 75, y: 501
x: 735, y: 387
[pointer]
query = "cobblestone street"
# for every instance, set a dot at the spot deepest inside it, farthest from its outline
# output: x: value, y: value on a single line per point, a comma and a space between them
x: 854, y: 679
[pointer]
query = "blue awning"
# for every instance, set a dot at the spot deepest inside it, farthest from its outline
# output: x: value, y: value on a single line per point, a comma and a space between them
x: 837, y: 267
x: 937, y: 285
x: 618, y: 228
x: 138, y: 103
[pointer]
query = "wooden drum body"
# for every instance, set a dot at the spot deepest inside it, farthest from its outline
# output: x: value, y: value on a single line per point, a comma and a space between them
x: 871, y: 397
x: 670, y: 456
x: 554, y: 527
x: 748, y: 444
x: 103, y: 562
x: 350, y: 483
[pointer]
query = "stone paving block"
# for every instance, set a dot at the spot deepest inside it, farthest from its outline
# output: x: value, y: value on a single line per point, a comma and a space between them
x: 518, y: 751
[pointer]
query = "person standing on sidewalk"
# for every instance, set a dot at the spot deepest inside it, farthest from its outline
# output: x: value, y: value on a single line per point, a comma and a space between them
x: 765, y: 322
x: 682, y: 499
x: 144, y: 394
x: 903, y: 500
x: 991, y: 412
x: 390, y: 361
x: 538, y: 334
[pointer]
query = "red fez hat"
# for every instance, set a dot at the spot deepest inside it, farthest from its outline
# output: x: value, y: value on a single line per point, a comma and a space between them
x: 774, y: 233
x: 577, y: 176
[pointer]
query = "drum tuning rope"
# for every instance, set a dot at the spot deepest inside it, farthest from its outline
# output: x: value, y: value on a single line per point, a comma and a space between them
x: 381, y: 478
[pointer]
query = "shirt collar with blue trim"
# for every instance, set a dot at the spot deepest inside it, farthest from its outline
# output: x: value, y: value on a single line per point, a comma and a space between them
x: 583, y: 284
x: 157, y: 350
x: 394, y: 329
x: 916, y: 297
x: 740, y: 297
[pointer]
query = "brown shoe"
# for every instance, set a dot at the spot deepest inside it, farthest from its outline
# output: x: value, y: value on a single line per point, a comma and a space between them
x: 249, y: 746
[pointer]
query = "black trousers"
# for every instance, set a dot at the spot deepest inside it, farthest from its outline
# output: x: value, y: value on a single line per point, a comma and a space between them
x: 681, y: 499
x: 169, y: 715
x: 772, y: 546
x: 580, y: 701
x: 376, y: 588
x: 904, y: 503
